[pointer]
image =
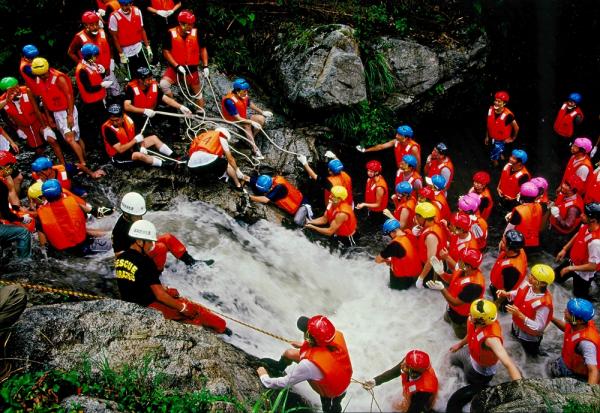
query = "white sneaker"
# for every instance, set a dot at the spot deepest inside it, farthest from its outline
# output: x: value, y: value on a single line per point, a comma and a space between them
x: 258, y: 155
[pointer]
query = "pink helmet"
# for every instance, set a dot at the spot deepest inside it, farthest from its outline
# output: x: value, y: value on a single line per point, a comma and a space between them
x: 529, y: 189
x: 540, y: 182
x: 469, y: 203
x: 583, y: 143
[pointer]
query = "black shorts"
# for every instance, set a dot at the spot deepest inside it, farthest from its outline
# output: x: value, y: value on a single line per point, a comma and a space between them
x: 211, y: 171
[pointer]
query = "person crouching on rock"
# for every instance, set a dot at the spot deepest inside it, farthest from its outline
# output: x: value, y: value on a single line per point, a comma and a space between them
x: 138, y: 281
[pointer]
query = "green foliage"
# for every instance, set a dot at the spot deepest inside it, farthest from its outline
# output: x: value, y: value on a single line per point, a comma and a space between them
x: 365, y: 123
x: 368, y: 21
x: 275, y: 401
x: 401, y: 25
x: 574, y: 406
x: 378, y: 74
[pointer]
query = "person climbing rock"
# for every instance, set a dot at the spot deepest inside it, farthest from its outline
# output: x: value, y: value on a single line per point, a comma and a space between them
x: 403, y: 144
x: 401, y: 255
x: 339, y: 218
x: 513, y: 175
x: 336, y: 176
x: 502, y: 128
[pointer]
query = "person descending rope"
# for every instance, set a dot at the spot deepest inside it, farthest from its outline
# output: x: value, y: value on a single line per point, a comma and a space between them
x: 502, y: 128
x: 403, y: 144
x: 323, y: 361
x: 339, y: 216
x: 336, y: 176
x: 401, y: 255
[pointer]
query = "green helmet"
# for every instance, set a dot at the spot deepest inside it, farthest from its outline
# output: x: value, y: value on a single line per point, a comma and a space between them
x: 8, y: 82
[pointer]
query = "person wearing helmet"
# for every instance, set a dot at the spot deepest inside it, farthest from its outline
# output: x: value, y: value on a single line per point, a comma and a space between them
x: 510, y: 268
x: 21, y: 108
x: 568, y: 117
x: 514, y: 174
x: 43, y: 169
x: 162, y: 16
x: 210, y: 155
x: 531, y: 307
x: 407, y: 172
x: 502, y: 128
x: 431, y: 238
x: 584, y: 253
x: 401, y: 255
x: 439, y: 163
x: 567, y: 209
x: 465, y: 285
x: 121, y: 142
x: 469, y: 204
x: 481, y: 180
x: 126, y: 27
x: 339, y: 218
x: 184, y: 50
x: 323, y: 361
x: 107, y: 7
x: 484, y: 346
x: 234, y: 108
x: 335, y: 176
x: 28, y: 53
x: 404, y: 205
x: 459, y: 228
x: 376, y: 189
x: 581, y: 343
x: 542, y: 186
x: 579, y: 164
x: 11, y: 177
x: 403, y: 144
x: 527, y: 217
x: 419, y: 382
x: 426, y: 194
x: 12, y: 224
x: 138, y: 280
x: 438, y: 184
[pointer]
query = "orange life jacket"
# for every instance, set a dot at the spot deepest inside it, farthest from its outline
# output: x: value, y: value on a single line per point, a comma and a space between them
x: 55, y: 100
x: 503, y: 261
x: 29, y: 227
x: 341, y: 179
x: 334, y: 362
x: 60, y: 174
x: 124, y: 134
x: 63, y: 222
x: 592, y: 187
x: 440, y: 198
x: 241, y: 104
x: 348, y: 227
x: 24, y: 117
x: 409, y: 265
x: 162, y: 4
x: 185, y: 50
x: 563, y: 208
x: 129, y: 31
x: 400, y: 177
x: 147, y: 99
x: 292, y: 200
x: 579, y: 249
x: 509, y: 186
x: 573, y: 360
x: 456, y: 245
x: 95, y: 79
x: 436, y: 166
x: 435, y: 229
x: 406, y: 149
x: 371, y: 192
x: 574, y: 164
x: 531, y: 222
x: 564, y: 124
x: 458, y: 282
x: 476, y: 337
x: 30, y: 80
x: 101, y: 41
x: 426, y: 383
x: 530, y: 307
x: 409, y: 203
x: 496, y: 125
x: 485, y: 194
x: 113, y: 5
x: 209, y: 142
x: 482, y: 223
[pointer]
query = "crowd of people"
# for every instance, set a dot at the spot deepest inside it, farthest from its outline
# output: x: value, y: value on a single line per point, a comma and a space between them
x: 433, y: 245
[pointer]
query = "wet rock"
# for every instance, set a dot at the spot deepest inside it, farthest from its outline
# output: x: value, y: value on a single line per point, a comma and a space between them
x: 89, y: 405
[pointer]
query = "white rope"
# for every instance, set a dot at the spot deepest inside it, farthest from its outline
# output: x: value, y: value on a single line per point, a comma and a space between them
x: 164, y: 157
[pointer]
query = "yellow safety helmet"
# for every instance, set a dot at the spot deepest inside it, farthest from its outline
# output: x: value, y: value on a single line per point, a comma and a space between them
x: 425, y: 209
x: 39, y: 66
x: 483, y: 310
x: 339, y: 192
x: 35, y: 191
x: 543, y: 273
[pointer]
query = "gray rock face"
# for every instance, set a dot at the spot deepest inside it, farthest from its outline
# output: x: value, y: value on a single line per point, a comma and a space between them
x: 328, y: 74
x: 89, y: 405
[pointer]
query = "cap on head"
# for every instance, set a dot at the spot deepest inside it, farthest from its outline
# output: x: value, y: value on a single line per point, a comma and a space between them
x: 583, y: 143
x: 186, y: 16
x: 264, y: 183
x: 8, y: 82
x: 514, y: 239
x: 468, y: 203
x: 575, y: 183
x: 125, y: 2
x: 543, y: 273
x: 143, y: 72
x: 502, y: 95
x: 335, y: 165
x: 144, y: 230
x: 481, y: 177
x: 51, y: 189
x: 35, y: 191
x: 89, y: 17
x: 441, y: 148
x: 417, y: 360
x: 88, y: 50
x: 133, y: 204
x: 427, y: 193
x: 405, y: 130
x: 575, y: 97
x: 374, y: 166
x: 30, y: 51
x: 540, y: 182
x: 592, y: 210
x: 39, y: 66
x: 520, y: 155
x: 115, y: 109
x: 471, y: 256
x: 438, y: 181
x: 529, y: 190
x: 339, y: 192
x: 461, y: 221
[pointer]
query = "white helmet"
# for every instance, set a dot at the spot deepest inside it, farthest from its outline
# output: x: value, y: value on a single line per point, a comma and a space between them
x: 225, y: 132
x: 143, y: 229
x: 133, y: 203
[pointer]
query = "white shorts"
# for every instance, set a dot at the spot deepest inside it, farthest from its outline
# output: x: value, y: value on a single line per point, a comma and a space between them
x: 4, y: 145
x: 61, y: 122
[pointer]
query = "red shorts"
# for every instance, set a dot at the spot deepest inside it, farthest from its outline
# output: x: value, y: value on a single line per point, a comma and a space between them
x: 173, y: 76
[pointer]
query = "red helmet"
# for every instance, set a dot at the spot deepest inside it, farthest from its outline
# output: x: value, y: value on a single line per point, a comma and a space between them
x: 89, y: 17
x: 427, y: 193
x: 321, y: 329
x: 374, y: 166
x: 461, y: 220
x: 7, y: 158
x: 186, y: 16
x: 417, y: 360
x: 502, y: 95
x: 471, y: 257
x: 481, y: 177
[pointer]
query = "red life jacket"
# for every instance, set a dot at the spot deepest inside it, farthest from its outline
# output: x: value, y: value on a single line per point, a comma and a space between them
x: 440, y: 198
x: 334, y: 362
x: 592, y: 187
x: 100, y: 40
x: 406, y: 149
x: 29, y: 227
x: 60, y: 174
x: 141, y: 99
x: 124, y: 134
x: 564, y: 124
x: 409, y: 265
x: 456, y: 245
x: 162, y: 4
x: 563, y: 207
x: 530, y: 307
x: 113, y: 5
x: 579, y: 249
x: 95, y: 79
x: 458, y: 282
x: 185, y: 50
x: 409, y: 203
x: 63, y: 222
x: 129, y: 31
x: 519, y: 263
x: 341, y: 179
x: 574, y: 164
x: 347, y: 228
x: 371, y: 192
x: 292, y: 200
x: 400, y: 177
x: 496, y: 125
x: 509, y: 186
x: 440, y: 234
x: 482, y: 223
x: 476, y: 337
x: 436, y: 166
x: 209, y: 142
x: 24, y: 117
x: 53, y: 97
x: 426, y: 383
x: 485, y: 194
x: 30, y: 80
x: 241, y: 104
x: 573, y: 360
x: 531, y: 222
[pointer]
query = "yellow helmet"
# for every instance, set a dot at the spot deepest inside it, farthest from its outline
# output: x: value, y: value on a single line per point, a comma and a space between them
x: 483, y: 310
x: 39, y: 66
x: 339, y: 192
x: 425, y: 209
x: 35, y: 191
x: 543, y: 273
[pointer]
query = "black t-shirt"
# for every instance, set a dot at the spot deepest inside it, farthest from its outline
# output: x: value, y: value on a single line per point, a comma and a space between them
x: 469, y: 293
x: 120, y: 235
x: 135, y: 274
x: 393, y: 249
x: 507, y: 120
x: 510, y: 276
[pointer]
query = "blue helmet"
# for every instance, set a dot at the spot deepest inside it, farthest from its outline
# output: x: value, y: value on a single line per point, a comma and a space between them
x: 404, y: 188
x: 390, y: 225
x: 520, y: 154
x: 581, y: 309
x: 51, y: 189
x: 335, y: 165
x: 438, y: 181
x: 441, y: 148
x: 410, y: 160
x: 30, y: 51
x: 124, y: 2
x: 240, y: 84
x: 115, y: 109
x: 264, y: 183
x: 405, y: 130
x: 576, y: 97
x: 41, y: 164
x: 88, y: 50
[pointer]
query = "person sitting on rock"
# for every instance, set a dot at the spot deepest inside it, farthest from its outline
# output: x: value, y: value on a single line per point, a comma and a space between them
x: 138, y: 280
